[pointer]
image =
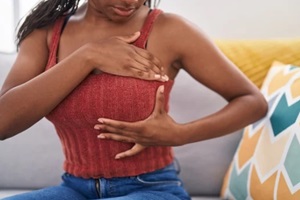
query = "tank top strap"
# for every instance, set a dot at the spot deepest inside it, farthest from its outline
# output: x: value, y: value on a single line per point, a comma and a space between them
x: 57, y: 28
x: 146, y: 29
x: 60, y: 22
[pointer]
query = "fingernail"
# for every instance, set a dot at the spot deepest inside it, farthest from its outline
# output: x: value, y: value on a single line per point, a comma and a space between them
x: 97, y: 127
x: 101, y: 121
x: 136, y: 33
x: 165, y: 77
x: 157, y: 76
x: 161, y: 89
x: 117, y: 157
x: 101, y: 136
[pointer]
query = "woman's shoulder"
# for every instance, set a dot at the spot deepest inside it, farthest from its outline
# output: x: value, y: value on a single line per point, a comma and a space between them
x: 177, y: 33
x: 175, y: 26
x: 172, y: 21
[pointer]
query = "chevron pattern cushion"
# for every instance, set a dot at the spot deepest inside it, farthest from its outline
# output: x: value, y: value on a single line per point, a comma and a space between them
x: 266, y: 164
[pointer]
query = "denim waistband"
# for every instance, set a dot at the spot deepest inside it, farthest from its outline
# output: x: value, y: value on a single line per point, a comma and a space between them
x: 162, y: 180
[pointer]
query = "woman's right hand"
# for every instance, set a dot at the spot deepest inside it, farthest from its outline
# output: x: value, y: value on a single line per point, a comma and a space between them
x: 118, y: 56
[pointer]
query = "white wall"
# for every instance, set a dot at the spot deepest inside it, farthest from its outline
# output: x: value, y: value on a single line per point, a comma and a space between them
x: 218, y: 18
x: 240, y: 18
x: 10, y: 13
x: 6, y: 26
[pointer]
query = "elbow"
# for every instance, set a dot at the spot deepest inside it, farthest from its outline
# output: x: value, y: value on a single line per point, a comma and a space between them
x: 5, y: 130
x: 2, y: 131
x: 9, y: 129
x: 266, y: 108
x: 262, y: 107
x: 3, y: 134
x: 2, y: 138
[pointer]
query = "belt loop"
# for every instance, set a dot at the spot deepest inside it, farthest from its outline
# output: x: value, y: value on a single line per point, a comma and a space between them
x: 97, y: 185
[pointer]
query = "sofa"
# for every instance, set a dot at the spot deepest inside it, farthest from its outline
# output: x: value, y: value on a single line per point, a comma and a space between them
x: 33, y: 159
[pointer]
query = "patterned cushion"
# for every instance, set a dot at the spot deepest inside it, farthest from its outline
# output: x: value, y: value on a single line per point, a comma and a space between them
x: 266, y: 164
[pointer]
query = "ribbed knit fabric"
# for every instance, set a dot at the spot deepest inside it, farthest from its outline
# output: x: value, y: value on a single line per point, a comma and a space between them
x: 109, y: 96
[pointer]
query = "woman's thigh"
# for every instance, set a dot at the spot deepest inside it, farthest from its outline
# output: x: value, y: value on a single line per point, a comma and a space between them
x: 53, y: 193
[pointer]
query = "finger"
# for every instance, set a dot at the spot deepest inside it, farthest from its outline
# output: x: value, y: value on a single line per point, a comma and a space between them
x: 160, y: 100
x: 119, y: 125
x: 149, y: 60
x: 147, y: 75
x: 137, y: 148
x: 147, y: 65
x: 113, y: 130
x: 119, y: 138
x: 129, y: 38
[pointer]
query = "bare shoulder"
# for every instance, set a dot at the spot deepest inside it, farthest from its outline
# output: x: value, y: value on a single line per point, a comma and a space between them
x: 37, y: 40
x: 31, y: 59
x: 179, y: 33
x: 172, y: 20
x: 176, y: 25
x: 170, y: 25
x: 34, y: 48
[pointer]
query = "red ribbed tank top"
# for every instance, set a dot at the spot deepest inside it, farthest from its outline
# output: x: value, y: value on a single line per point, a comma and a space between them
x: 109, y: 96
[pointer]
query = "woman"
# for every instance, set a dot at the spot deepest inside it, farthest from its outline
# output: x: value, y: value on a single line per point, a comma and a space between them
x: 102, y: 74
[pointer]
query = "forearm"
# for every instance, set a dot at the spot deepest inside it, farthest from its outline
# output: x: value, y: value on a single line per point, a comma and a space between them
x: 235, y: 115
x: 22, y: 106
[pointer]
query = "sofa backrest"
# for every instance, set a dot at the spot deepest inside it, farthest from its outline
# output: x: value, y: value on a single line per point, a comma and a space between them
x: 34, y: 158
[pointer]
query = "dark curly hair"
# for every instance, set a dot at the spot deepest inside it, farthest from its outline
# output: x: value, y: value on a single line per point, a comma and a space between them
x: 47, y: 11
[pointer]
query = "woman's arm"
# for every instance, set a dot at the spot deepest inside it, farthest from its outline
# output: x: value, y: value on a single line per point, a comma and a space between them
x: 200, y: 57
x: 197, y: 55
x: 29, y: 93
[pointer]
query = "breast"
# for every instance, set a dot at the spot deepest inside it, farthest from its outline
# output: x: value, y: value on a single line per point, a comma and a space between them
x: 104, y: 95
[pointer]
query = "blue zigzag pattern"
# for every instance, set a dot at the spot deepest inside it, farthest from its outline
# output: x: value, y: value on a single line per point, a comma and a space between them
x: 290, y: 113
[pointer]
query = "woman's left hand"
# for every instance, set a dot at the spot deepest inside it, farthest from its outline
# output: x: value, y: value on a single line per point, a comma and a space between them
x: 159, y: 129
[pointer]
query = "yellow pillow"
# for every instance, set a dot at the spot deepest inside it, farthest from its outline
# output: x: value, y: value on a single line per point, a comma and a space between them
x: 254, y: 57
x: 266, y: 164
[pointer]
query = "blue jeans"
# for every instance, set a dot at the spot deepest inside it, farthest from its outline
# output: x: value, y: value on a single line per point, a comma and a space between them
x: 162, y: 184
